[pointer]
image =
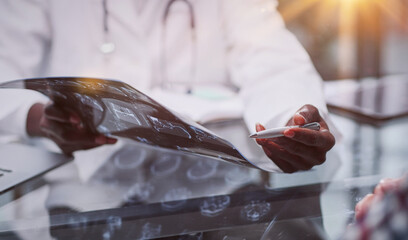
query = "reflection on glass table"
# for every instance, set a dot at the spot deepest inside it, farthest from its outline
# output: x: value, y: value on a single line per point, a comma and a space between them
x: 143, y: 193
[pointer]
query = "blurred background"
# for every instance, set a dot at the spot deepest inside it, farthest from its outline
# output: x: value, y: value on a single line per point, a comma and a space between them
x: 351, y: 38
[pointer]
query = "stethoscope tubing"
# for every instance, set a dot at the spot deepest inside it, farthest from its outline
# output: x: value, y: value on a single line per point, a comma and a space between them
x: 108, y: 46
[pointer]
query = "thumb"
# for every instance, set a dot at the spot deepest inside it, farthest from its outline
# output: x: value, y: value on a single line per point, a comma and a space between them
x: 102, y: 139
x: 298, y: 119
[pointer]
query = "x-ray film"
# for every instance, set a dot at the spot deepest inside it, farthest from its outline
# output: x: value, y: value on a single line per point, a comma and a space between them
x: 114, y: 108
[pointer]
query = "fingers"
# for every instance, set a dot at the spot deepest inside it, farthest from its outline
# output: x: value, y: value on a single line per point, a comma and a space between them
x: 67, y: 135
x: 53, y: 112
x: 70, y: 147
x: 363, y: 205
x: 298, y: 119
x: 321, y: 139
x: 65, y: 128
x: 289, y: 155
x: 310, y: 114
x: 286, y: 160
x: 283, y: 165
x: 69, y: 138
x: 260, y: 127
x: 307, y: 114
x: 300, y: 148
x: 102, y: 139
x: 53, y: 129
x: 386, y: 185
x: 312, y: 155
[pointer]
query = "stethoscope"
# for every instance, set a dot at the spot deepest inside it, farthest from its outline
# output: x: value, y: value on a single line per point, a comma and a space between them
x: 108, y: 46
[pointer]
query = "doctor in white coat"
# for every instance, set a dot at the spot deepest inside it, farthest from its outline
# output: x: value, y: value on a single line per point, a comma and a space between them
x: 222, y: 50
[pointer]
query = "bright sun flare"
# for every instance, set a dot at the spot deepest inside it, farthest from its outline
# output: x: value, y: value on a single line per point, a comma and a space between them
x: 345, y: 11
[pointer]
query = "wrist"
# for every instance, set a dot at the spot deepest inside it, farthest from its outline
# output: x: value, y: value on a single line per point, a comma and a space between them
x: 33, y: 120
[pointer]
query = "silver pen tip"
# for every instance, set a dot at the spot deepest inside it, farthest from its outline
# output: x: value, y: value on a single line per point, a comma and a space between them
x: 253, y: 135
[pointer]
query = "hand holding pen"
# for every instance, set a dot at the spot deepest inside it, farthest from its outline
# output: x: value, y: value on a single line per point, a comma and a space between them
x: 298, y: 148
x: 279, y: 132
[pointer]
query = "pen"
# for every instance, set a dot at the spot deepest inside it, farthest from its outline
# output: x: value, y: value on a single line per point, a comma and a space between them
x: 278, y: 132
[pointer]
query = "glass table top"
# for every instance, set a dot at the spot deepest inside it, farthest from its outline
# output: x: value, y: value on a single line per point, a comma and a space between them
x: 164, y: 195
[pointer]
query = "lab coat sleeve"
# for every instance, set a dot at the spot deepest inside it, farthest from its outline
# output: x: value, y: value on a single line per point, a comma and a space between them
x: 25, y: 38
x: 275, y: 75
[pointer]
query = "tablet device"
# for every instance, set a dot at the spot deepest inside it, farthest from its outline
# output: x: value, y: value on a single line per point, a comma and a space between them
x: 373, y: 102
x: 20, y: 163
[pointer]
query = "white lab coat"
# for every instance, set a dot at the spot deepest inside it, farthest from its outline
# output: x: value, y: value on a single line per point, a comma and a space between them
x: 240, y: 44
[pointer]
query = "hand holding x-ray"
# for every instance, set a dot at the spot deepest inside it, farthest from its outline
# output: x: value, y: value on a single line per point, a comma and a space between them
x: 64, y: 127
x: 84, y: 111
